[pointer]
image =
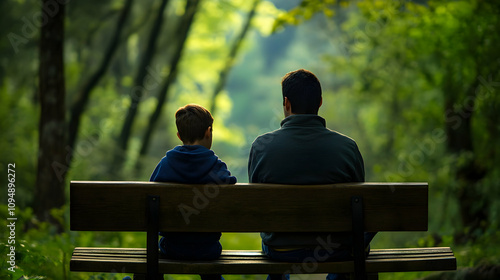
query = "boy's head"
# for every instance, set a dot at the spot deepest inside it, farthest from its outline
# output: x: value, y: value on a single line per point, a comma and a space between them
x: 194, y: 125
x: 302, y: 89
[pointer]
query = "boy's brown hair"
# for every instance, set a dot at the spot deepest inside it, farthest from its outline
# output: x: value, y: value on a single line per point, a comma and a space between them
x: 192, y: 121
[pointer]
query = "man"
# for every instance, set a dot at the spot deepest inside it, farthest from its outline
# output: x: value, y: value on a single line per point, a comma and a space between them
x: 304, y: 151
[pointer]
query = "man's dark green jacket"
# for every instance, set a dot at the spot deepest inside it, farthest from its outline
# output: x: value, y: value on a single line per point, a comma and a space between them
x: 304, y: 152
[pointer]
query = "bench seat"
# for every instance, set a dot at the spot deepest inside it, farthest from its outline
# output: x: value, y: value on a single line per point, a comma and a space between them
x: 133, y: 260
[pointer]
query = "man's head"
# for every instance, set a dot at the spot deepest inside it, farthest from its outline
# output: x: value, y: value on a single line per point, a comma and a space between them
x: 194, y: 125
x: 301, y: 93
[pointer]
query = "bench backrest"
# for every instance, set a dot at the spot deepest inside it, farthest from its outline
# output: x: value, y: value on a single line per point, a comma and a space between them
x: 121, y: 206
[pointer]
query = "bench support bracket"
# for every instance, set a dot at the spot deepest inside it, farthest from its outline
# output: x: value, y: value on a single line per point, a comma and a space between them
x: 358, y: 237
x: 153, y: 222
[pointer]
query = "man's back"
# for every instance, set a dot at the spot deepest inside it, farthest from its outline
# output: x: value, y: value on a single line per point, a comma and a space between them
x: 304, y: 151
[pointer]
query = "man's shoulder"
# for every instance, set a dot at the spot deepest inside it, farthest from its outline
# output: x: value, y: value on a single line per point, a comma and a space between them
x: 266, y: 138
x: 340, y: 136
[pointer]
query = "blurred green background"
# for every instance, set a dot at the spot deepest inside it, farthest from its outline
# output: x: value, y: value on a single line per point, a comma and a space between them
x: 415, y: 83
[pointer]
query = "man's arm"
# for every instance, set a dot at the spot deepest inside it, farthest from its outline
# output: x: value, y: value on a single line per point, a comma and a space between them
x: 359, y: 166
x: 252, y: 165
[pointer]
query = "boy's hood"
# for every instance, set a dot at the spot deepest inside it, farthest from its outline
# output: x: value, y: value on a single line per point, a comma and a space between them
x: 191, y: 162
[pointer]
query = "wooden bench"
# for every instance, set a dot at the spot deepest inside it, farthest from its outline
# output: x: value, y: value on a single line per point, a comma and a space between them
x: 152, y: 207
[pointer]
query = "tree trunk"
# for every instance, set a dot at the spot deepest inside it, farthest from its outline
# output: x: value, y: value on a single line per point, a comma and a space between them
x: 183, y: 31
x: 49, y: 191
x: 470, y: 172
x: 81, y: 100
x: 138, y: 90
x: 231, y: 57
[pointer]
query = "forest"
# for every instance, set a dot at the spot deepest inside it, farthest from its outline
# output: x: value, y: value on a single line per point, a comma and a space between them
x: 88, y: 91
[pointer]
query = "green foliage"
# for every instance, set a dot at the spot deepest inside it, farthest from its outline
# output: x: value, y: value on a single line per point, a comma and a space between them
x: 19, y: 139
x: 305, y: 11
x: 402, y: 62
x: 42, y: 253
x: 39, y: 251
x: 400, y: 66
x: 388, y: 70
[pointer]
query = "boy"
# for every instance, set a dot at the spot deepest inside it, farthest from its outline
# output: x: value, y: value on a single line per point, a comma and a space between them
x: 192, y: 163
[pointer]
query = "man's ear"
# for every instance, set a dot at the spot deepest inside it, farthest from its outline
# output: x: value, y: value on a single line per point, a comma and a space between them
x: 287, y: 105
x: 179, y: 136
x: 321, y: 102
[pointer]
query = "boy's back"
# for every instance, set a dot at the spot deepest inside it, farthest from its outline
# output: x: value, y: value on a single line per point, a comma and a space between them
x: 192, y: 163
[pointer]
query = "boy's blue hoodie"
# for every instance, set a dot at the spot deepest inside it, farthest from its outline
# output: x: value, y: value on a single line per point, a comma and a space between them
x: 191, y: 164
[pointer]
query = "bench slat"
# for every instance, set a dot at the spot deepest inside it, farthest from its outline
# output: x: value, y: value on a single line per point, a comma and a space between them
x: 133, y: 260
x: 120, y: 206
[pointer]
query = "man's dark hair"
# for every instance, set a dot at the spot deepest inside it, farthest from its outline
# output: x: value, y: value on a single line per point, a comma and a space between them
x: 192, y: 121
x: 303, y: 90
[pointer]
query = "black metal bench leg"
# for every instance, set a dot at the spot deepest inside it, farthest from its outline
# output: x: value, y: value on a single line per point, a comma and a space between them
x: 358, y: 238
x: 153, y: 219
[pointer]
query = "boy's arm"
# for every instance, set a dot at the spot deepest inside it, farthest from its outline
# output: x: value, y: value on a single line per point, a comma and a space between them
x: 222, y: 175
x: 154, y: 175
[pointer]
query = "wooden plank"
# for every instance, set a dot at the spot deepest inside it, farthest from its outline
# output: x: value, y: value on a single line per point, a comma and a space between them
x: 120, y: 206
x: 254, y: 262
x: 408, y: 264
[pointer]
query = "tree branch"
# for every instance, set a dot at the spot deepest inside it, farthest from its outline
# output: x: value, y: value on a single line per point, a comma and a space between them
x: 137, y: 91
x: 223, y: 75
x: 80, y: 102
x: 183, y: 30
